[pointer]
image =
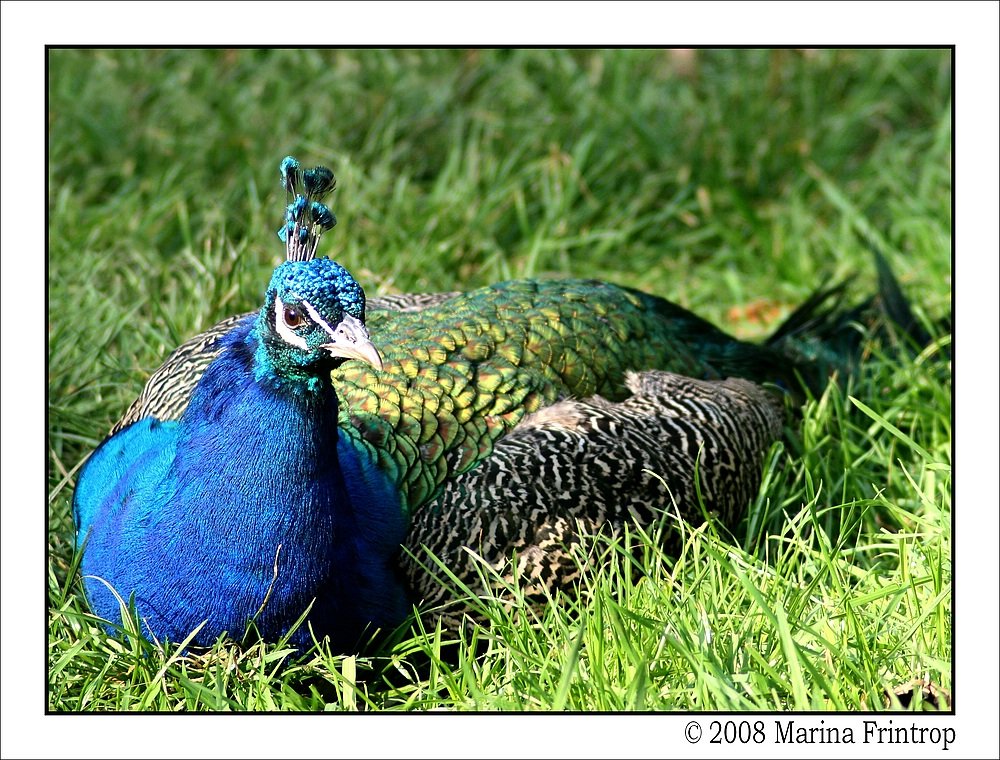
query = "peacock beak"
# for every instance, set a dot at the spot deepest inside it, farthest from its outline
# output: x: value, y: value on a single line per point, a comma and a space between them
x: 351, y: 341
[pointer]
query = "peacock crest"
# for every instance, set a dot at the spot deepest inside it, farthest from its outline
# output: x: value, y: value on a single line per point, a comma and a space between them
x: 306, y: 217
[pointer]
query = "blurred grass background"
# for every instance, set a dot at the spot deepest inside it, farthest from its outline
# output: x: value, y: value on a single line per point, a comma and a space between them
x: 733, y: 182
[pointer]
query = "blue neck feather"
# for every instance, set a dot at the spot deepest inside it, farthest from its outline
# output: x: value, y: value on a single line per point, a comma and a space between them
x: 261, y: 501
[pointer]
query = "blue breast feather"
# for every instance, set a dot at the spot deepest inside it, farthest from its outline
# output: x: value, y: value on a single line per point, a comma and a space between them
x: 189, y: 515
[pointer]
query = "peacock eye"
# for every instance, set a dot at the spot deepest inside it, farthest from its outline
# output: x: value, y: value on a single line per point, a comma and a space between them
x: 292, y: 317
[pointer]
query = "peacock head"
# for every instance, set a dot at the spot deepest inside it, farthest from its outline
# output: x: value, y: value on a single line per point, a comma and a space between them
x: 313, y: 318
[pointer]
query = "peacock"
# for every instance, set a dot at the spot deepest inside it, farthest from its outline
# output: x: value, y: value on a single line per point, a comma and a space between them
x: 309, y: 459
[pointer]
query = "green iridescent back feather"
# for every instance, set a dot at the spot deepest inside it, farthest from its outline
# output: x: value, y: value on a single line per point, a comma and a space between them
x: 461, y: 374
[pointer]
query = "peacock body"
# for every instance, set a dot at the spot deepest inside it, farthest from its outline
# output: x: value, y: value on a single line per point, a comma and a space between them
x: 313, y: 452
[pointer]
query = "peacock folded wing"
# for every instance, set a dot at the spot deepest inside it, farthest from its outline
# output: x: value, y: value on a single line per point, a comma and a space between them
x: 582, y: 466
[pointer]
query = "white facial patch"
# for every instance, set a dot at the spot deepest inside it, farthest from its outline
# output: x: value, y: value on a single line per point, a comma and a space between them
x: 314, y: 315
x: 287, y: 334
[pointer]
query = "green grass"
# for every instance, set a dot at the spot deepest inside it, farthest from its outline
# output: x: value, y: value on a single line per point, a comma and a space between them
x: 745, y: 184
